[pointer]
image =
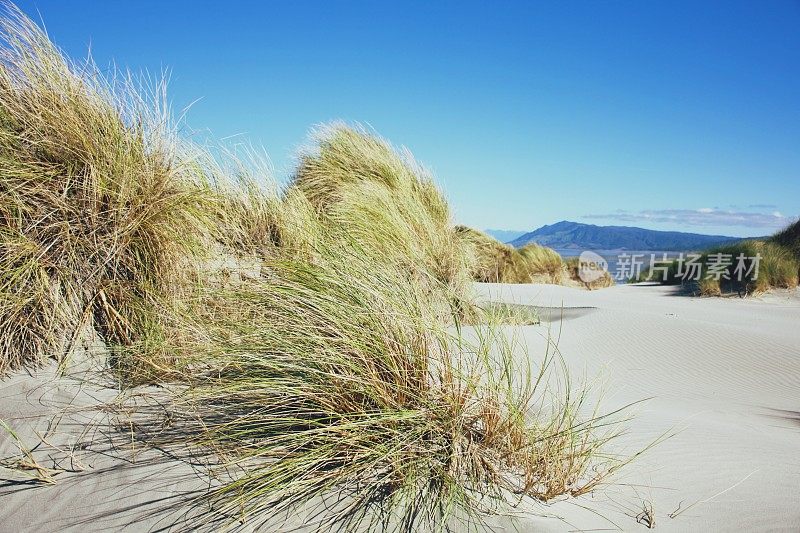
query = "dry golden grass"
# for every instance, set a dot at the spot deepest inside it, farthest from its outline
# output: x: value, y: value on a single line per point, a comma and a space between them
x: 359, y: 184
x: 339, y: 378
x: 99, y: 210
x: 495, y: 262
x: 573, y: 271
x: 341, y: 363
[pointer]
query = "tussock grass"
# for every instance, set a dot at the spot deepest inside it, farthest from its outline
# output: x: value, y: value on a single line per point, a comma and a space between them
x: 778, y: 267
x: 542, y: 262
x: 338, y: 378
x: 573, y: 271
x: 251, y: 216
x: 341, y: 363
x: 789, y: 238
x: 98, y: 209
x: 359, y: 184
x: 495, y: 262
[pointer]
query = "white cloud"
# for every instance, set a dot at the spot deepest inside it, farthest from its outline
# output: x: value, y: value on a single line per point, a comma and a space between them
x: 704, y: 216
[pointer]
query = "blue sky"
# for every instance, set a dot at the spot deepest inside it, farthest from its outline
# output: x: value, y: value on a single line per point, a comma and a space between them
x: 668, y: 115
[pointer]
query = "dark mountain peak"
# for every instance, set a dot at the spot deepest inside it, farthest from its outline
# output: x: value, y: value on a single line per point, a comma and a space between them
x: 564, y: 225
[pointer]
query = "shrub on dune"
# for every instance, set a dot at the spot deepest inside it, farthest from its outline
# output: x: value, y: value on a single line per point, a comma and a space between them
x: 338, y: 379
x: 495, y: 262
x: 382, y: 198
x: 778, y: 267
x: 98, y: 209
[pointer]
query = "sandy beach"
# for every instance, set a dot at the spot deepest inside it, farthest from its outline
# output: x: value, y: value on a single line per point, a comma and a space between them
x: 722, y: 377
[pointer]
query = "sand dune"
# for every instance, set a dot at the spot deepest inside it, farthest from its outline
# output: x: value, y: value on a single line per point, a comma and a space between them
x: 723, y: 377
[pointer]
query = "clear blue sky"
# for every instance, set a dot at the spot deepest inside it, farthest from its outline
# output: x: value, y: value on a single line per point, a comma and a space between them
x: 668, y: 115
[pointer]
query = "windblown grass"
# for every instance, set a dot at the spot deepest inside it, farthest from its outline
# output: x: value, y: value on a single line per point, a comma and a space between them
x: 542, y: 262
x: 25, y: 464
x: 343, y: 363
x: 789, y: 238
x: 495, y: 262
x: 337, y: 378
x: 385, y: 200
x: 98, y: 209
x: 778, y: 267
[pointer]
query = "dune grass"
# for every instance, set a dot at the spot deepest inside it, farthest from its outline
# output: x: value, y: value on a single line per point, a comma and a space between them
x: 495, y: 262
x: 98, y: 208
x: 542, y: 262
x: 789, y: 238
x: 381, y: 197
x: 573, y: 271
x: 338, y: 378
x: 778, y: 267
x: 341, y: 364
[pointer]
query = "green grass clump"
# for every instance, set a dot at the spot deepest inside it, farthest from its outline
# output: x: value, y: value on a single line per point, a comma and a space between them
x: 495, y: 262
x: 98, y: 208
x: 778, y: 267
x: 338, y: 378
x: 789, y: 238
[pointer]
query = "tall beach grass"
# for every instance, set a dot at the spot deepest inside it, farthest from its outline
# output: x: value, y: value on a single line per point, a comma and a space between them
x: 341, y: 363
x: 100, y: 212
x: 337, y: 378
x: 777, y: 267
x: 495, y: 262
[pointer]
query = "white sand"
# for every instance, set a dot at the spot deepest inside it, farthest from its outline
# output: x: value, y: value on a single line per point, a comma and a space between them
x: 724, y: 376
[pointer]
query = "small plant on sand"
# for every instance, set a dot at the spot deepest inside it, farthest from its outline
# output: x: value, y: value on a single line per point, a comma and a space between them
x: 573, y: 271
x: 25, y: 464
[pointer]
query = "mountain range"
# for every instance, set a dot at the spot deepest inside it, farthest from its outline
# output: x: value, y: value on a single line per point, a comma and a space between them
x: 574, y: 235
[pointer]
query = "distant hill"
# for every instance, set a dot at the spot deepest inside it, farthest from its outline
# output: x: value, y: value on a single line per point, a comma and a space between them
x: 504, y: 235
x: 566, y: 235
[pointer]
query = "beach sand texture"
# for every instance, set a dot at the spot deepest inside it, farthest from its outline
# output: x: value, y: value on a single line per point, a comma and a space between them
x: 722, y: 375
